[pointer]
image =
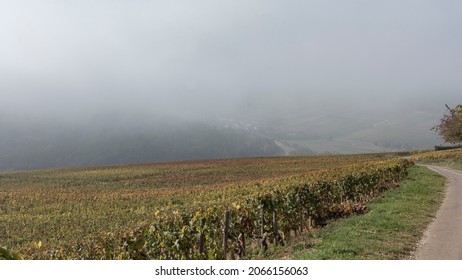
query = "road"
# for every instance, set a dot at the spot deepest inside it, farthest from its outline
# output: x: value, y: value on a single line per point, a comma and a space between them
x: 443, y: 238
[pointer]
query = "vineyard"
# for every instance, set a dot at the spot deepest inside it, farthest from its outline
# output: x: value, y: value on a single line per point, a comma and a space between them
x: 184, y: 210
x: 455, y: 154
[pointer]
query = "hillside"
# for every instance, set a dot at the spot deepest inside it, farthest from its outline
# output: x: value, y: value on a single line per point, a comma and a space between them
x: 38, y: 145
x: 259, y: 126
x: 355, y: 126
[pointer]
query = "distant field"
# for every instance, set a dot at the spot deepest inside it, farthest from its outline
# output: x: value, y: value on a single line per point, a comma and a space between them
x: 451, y: 158
x: 340, y: 146
x: 45, y: 209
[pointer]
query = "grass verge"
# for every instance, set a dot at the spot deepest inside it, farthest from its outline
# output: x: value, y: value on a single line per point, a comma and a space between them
x: 390, y: 230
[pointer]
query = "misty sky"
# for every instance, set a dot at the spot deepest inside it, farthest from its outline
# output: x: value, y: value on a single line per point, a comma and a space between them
x: 187, y: 58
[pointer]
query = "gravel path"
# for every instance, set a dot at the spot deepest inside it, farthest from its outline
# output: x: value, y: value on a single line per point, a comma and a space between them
x: 443, y: 238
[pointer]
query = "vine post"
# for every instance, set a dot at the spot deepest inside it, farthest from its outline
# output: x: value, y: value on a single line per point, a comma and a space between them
x: 264, y: 246
x: 275, y: 227
x: 201, y: 236
x: 225, y: 234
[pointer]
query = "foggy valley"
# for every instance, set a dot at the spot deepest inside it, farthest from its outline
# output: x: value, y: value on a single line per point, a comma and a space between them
x: 107, y: 139
x: 87, y: 84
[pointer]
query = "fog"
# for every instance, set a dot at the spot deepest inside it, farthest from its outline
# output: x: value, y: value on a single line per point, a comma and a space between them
x: 369, y: 73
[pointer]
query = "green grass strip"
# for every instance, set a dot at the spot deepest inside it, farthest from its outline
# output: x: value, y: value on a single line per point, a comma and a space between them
x: 390, y: 230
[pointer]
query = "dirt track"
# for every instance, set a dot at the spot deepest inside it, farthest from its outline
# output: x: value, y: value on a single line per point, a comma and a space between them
x: 443, y: 238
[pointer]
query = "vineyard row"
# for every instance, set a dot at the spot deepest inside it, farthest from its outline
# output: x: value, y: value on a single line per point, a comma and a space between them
x: 253, y: 222
x: 455, y: 154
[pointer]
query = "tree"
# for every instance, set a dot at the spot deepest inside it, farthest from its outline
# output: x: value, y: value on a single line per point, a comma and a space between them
x: 450, y: 126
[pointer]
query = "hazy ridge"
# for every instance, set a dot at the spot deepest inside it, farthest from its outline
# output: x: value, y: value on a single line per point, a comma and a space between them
x: 124, y: 138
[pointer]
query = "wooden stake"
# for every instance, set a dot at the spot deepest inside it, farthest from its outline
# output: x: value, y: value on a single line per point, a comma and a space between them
x: 225, y: 235
x: 201, y: 236
x: 243, y: 244
x: 275, y: 227
x: 262, y: 233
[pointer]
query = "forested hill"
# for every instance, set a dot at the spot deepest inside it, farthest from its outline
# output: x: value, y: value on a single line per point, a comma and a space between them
x: 53, y: 145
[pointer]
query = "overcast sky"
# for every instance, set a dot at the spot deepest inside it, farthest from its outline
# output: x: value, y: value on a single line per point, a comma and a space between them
x: 65, y: 57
